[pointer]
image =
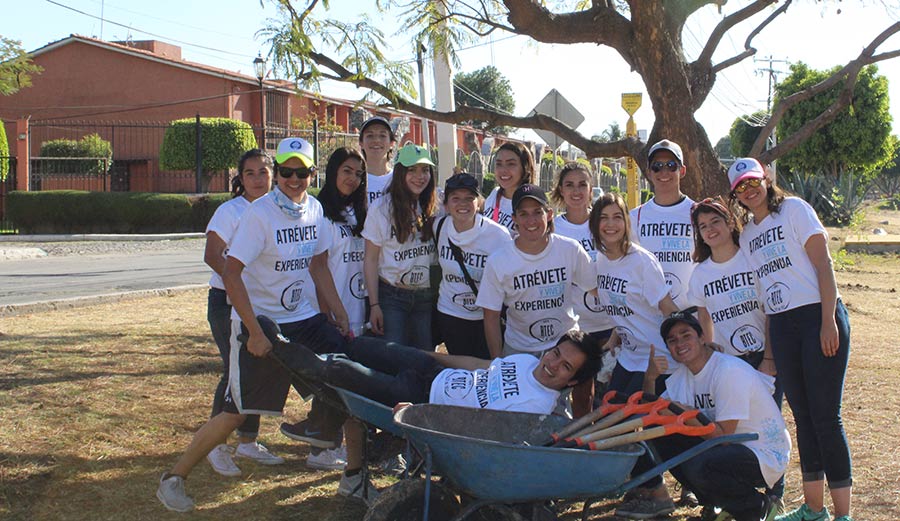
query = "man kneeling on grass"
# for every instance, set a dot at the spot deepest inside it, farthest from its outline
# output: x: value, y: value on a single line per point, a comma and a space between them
x: 738, y: 399
x: 390, y: 374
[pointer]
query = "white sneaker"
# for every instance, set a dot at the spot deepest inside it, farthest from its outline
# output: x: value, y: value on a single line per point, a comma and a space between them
x: 328, y: 459
x: 171, y: 494
x: 352, y: 487
x: 258, y: 453
x: 222, y: 462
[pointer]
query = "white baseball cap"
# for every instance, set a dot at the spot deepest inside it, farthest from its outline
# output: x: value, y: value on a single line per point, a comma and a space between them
x: 745, y: 168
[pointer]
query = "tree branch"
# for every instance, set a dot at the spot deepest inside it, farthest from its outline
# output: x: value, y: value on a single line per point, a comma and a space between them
x: 730, y: 21
x: 849, y: 74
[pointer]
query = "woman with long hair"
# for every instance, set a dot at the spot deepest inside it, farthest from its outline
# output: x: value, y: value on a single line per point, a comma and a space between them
x: 809, y: 330
x: 400, y: 252
x: 513, y: 167
x: 376, y: 141
x: 465, y: 239
x: 253, y: 180
x: 632, y: 289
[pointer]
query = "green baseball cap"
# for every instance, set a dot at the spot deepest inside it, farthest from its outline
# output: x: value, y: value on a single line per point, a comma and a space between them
x: 411, y: 155
x: 295, y: 147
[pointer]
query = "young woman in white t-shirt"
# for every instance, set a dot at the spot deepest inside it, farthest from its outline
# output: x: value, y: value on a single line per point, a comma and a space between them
x: 808, y: 328
x: 377, y: 140
x: 344, y: 204
x: 464, y: 239
x: 514, y: 166
x: 632, y: 289
x: 531, y: 276
x: 400, y: 252
x: 253, y: 180
x: 572, y: 191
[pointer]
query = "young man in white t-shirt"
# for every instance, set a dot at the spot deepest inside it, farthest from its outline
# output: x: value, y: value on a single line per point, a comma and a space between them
x: 663, y: 224
x: 391, y: 373
x: 738, y: 399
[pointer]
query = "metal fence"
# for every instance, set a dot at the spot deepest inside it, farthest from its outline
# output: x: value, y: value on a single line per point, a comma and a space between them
x: 7, y: 184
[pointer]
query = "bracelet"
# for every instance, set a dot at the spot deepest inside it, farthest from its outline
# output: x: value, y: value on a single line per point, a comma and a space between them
x: 373, y: 305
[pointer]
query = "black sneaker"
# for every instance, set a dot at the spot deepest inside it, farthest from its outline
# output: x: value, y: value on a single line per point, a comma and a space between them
x: 306, y: 432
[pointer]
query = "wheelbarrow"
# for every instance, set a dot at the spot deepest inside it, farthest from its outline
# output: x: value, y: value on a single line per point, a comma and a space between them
x: 495, y: 458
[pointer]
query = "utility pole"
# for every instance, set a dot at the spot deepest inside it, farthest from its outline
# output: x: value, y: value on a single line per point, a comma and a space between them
x: 446, y: 132
x: 420, y: 62
x: 773, y: 73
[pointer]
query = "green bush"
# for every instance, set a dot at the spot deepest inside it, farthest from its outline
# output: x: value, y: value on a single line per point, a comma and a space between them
x: 91, y: 145
x: 75, y: 211
x: 4, y: 152
x: 488, y: 182
x: 223, y: 140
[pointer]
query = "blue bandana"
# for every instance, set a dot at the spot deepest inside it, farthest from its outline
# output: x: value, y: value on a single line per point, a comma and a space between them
x: 289, y: 207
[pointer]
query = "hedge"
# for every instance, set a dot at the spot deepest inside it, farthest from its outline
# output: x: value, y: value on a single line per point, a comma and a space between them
x: 4, y: 152
x: 75, y: 211
x: 91, y: 145
x: 222, y: 142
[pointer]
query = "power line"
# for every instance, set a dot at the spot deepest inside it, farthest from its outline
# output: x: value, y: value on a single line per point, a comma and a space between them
x: 131, y: 28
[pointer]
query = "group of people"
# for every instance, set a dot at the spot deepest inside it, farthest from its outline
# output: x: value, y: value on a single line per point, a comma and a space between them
x: 527, y: 301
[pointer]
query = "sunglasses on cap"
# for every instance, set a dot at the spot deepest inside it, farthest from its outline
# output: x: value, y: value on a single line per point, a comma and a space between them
x: 301, y: 173
x: 746, y: 184
x: 670, y: 165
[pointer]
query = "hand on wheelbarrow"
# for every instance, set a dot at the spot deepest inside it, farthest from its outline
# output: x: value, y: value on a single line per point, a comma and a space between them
x: 701, y: 426
x: 638, y: 403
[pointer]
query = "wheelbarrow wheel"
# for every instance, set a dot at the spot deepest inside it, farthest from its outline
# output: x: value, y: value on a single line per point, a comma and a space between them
x: 405, y: 501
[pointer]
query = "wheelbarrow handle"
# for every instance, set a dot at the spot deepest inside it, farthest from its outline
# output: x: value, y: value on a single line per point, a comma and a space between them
x: 606, y: 407
x: 659, y: 414
x: 678, y: 427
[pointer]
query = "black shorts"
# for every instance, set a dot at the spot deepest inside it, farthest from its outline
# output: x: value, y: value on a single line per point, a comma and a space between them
x: 260, y: 385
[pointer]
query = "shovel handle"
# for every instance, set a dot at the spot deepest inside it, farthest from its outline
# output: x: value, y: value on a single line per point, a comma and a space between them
x: 677, y: 427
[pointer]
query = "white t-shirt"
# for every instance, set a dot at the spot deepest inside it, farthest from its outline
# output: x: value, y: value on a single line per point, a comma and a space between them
x: 776, y: 249
x: 630, y: 289
x: 276, y: 251
x: 502, y: 214
x: 591, y: 315
x: 729, y: 293
x: 729, y: 389
x: 508, y: 384
x: 376, y: 185
x: 224, y: 222
x: 346, y: 254
x: 535, y: 287
x: 667, y: 233
x: 455, y: 297
x: 404, y: 265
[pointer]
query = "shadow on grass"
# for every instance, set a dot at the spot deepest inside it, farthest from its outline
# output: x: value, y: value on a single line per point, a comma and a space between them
x: 43, y: 487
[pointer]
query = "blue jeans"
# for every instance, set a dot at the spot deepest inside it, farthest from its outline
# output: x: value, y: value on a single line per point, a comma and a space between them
x: 407, y: 315
x: 462, y: 336
x: 814, y: 387
x: 630, y: 382
x: 726, y: 476
x: 218, y: 314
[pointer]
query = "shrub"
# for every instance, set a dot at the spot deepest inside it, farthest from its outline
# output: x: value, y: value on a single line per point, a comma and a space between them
x: 91, y: 145
x: 4, y: 152
x: 488, y: 182
x: 222, y: 141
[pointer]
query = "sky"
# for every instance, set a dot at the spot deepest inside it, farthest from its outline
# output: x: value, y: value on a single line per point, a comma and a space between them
x: 222, y: 33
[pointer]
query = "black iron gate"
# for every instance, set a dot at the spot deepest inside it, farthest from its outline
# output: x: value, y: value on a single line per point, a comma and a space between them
x: 7, y: 185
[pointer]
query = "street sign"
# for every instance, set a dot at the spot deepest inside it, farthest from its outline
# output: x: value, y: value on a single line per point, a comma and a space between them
x: 556, y: 106
x: 631, y: 101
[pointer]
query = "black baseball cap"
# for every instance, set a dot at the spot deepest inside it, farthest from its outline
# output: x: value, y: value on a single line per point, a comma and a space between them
x: 377, y: 120
x: 462, y: 180
x: 529, y: 191
x: 685, y: 316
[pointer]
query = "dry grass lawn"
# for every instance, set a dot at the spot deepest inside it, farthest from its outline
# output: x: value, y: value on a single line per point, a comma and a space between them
x: 96, y: 402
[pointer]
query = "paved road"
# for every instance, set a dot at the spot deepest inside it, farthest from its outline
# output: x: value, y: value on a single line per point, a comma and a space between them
x: 54, y: 278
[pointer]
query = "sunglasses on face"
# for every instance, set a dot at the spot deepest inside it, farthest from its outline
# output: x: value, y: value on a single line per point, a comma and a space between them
x: 672, y: 166
x: 301, y: 173
x: 747, y: 184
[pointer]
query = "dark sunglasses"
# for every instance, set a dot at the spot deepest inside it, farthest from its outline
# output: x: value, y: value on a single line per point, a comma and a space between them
x: 672, y: 166
x: 747, y: 184
x: 301, y: 173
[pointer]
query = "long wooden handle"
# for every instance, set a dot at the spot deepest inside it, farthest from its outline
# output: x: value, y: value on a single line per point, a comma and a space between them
x: 678, y: 427
x: 656, y: 416
x: 606, y: 407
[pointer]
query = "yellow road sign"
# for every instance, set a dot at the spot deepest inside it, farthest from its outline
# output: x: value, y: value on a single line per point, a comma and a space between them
x: 631, y: 101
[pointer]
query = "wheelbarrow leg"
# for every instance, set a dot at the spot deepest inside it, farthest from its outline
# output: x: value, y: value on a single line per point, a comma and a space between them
x: 427, y: 483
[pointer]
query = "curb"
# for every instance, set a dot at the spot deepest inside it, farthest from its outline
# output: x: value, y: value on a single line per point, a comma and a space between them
x: 102, y: 237
x: 76, y: 302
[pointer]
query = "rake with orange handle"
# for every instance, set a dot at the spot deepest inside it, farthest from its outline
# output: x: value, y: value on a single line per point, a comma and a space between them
x: 638, y: 403
x: 606, y: 407
x: 678, y: 427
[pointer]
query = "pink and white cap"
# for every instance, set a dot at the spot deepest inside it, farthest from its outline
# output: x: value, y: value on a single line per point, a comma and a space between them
x: 745, y: 168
